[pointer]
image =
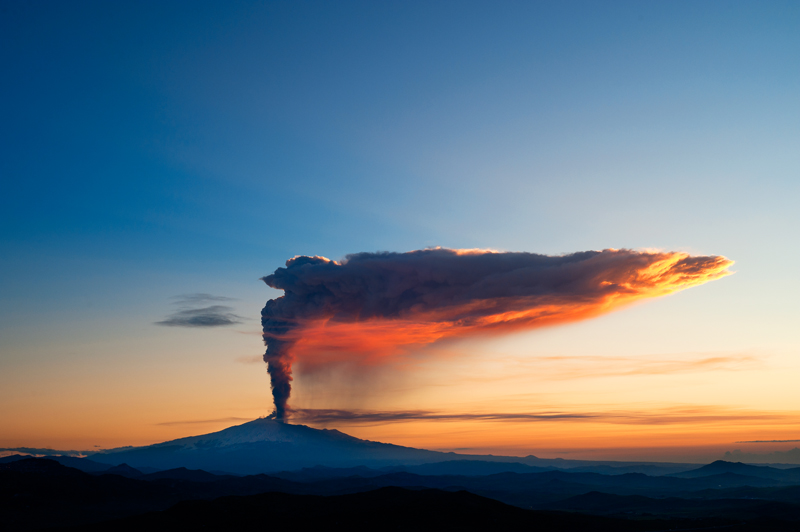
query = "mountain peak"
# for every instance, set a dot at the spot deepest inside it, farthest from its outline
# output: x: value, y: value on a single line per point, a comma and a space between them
x: 266, y: 444
x: 258, y: 430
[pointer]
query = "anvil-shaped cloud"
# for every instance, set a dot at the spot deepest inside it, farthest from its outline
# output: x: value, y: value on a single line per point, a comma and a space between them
x: 373, y: 306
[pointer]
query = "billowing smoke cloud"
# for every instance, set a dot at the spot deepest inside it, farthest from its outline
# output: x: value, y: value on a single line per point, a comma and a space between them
x: 372, y: 306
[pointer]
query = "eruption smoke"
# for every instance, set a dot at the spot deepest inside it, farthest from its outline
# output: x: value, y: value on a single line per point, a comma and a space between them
x: 372, y: 306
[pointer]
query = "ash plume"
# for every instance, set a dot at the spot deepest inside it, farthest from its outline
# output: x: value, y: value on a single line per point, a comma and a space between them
x: 370, y: 307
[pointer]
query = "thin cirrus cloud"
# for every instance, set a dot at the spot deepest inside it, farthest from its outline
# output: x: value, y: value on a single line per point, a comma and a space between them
x: 573, y: 367
x: 203, y: 421
x: 768, y: 441
x: 192, y: 313
x: 371, y: 307
x: 592, y: 367
x: 663, y: 416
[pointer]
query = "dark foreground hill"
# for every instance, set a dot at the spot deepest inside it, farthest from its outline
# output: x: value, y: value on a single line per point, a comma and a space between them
x: 383, y: 509
x: 38, y: 493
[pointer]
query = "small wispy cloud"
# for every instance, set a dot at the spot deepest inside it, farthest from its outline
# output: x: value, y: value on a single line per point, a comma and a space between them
x: 192, y: 313
x: 213, y: 316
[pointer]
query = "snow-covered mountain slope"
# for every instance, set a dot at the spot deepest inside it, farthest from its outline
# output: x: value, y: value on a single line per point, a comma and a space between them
x: 265, y: 445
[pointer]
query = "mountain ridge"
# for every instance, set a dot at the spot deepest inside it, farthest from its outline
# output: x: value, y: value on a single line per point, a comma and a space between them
x: 265, y: 445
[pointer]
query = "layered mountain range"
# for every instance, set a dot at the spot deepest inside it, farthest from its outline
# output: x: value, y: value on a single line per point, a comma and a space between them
x: 206, y: 479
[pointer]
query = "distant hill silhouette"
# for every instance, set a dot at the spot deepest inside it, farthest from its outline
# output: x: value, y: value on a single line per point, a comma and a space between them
x: 721, y: 467
x: 124, y: 470
x: 792, y: 456
x: 84, y: 464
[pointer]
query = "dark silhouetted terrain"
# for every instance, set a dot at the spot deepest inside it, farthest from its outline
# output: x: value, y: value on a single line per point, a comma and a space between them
x: 38, y: 493
x: 382, y: 509
x: 319, y: 478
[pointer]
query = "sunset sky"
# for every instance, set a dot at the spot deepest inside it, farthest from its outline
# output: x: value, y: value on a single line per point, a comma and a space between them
x: 160, y: 158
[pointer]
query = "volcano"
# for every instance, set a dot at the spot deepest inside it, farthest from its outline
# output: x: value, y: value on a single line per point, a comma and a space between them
x: 265, y: 445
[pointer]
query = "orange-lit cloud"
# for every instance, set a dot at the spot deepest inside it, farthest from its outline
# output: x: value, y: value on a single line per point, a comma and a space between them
x: 372, y: 307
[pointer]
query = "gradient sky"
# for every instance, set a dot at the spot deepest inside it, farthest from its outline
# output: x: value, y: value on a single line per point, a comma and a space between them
x: 152, y: 150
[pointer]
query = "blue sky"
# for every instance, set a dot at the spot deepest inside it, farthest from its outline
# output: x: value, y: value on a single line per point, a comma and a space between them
x: 156, y: 149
